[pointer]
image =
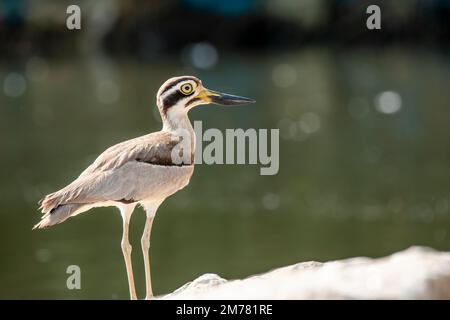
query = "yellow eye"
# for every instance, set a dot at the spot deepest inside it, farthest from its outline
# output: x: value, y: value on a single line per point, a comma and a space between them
x: 187, y: 88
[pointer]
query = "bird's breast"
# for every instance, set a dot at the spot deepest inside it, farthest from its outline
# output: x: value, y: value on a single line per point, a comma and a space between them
x: 147, y: 181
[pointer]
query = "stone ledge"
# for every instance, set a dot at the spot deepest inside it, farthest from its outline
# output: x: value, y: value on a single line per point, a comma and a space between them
x: 415, y: 273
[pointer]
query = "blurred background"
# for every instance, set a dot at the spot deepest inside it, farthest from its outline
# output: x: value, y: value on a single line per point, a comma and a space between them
x: 363, y: 117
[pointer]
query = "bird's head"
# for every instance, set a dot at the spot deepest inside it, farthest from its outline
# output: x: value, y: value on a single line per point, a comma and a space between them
x: 180, y: 94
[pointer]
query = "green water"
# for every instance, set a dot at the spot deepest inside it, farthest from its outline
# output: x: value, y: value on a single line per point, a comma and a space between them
x: 352, y: 181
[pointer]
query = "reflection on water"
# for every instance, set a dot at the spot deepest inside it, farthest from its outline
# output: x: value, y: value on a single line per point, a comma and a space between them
x: 363, y: 167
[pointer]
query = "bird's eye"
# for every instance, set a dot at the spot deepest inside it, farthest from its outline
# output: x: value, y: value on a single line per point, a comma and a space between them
x: 187, y: 88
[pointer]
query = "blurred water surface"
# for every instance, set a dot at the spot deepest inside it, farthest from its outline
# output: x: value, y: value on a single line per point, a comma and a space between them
x: 364, y: 166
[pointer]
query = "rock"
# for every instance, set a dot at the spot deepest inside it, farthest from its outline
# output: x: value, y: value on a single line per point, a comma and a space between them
x: 415, y: 273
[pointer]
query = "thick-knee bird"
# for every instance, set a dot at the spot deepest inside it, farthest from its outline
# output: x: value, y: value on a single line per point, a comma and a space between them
x: 145, y: 170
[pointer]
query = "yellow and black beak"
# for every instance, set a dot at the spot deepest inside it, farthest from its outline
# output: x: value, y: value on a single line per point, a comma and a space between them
x: 210, y: 96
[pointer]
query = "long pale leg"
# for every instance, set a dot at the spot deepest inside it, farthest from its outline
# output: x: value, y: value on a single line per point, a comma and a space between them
x: 150, y: 210
x: 126, y: 212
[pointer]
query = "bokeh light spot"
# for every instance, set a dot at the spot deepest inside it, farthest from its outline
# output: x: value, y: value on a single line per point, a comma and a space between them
x: 310, y: 122
x: 204, y: 55
x: 388, y: 102
x: 14, y: 85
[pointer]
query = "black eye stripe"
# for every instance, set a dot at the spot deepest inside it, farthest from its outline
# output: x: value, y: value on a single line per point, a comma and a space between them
x: 192, y: 101
x: 173, y: 99
x: 175, y: 82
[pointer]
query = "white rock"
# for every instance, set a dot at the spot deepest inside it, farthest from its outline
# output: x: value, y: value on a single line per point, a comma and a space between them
x: 415, y: 273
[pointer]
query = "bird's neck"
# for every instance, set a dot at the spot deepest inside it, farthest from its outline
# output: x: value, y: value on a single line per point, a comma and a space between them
x: 180, y: 125
x: 177, y: 122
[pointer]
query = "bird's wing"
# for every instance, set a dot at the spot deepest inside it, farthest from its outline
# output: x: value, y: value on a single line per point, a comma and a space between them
x: 133, y: 182
x: 153, y: 148
x: 113, y: 175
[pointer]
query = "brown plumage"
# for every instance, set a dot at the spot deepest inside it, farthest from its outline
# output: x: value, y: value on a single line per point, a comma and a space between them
x: 89, y: 187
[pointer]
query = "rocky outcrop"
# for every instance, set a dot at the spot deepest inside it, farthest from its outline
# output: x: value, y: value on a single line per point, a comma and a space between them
x: 415, y: 273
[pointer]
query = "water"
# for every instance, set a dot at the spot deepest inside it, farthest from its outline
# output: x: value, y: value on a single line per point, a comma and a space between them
x: 364, y: 167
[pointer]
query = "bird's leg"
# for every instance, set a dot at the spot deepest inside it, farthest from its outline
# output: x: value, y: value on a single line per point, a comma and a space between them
x: 145, y: 243
x: 126, y: 212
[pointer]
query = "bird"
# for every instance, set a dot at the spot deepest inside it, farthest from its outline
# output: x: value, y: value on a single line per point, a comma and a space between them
x: 142, y: 171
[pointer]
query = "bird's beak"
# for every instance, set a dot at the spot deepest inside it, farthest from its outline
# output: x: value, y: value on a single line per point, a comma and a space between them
x: 210, y: 96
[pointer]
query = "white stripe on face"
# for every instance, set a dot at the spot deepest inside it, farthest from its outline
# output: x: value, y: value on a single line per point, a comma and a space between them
x: 177, y: 88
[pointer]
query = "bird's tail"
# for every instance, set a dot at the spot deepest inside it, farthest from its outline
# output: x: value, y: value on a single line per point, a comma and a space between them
x: 59, y: 214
